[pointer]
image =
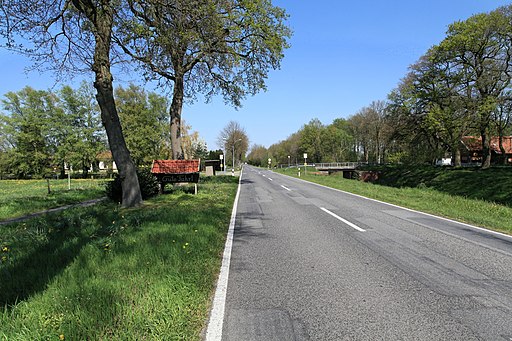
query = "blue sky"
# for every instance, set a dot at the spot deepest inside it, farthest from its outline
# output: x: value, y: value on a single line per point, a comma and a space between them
x: 343, y: 56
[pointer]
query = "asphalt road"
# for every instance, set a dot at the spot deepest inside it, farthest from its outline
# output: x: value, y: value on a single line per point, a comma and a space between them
x: 310, y: 263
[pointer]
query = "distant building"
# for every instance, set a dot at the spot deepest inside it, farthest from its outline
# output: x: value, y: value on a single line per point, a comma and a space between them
x: 106, y: 161
x: 472, y: 151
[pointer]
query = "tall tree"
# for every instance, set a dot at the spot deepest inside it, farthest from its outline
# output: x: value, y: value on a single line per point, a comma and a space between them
x: 337, y: 142
x: 438, y: 91
x: 258, y: 155
x: 370, y: 127
x: 311, y: 140
x: 481, y: 49
x: 80, y: 133
x: 212, y: 47
x: 75, y: 35
x: 286, y: 151
x: 235, y: 142
x: 193, y: 146
x: 29, y: 125
x: 419, y: 130
x: 145, y: 123
x: 502, y: 117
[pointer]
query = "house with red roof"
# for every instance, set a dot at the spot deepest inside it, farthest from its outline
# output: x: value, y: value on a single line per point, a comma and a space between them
x: 472, y: 151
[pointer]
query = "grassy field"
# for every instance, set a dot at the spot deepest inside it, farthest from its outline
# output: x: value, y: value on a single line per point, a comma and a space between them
x: 105, y: 273
x: 21, y: 197
x: 482, y: 198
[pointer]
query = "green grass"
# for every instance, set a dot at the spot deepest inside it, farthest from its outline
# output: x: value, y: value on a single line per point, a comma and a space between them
x: 453, y: 194
x: 22, y: 197
x: 103, y: 273
x: 493, y: 185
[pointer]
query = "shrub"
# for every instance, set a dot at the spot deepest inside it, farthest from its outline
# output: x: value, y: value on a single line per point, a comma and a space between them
x: 148, y: 186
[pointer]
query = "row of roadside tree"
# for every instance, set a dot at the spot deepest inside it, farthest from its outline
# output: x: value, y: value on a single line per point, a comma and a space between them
x: 459, y: 87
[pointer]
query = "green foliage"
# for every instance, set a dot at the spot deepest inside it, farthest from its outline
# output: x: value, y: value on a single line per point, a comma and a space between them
x: 338, y: 141
x: 149, y: 186
x: 214, y: 154
x: 145, y: 124
x: 45, y: 131
x: 397, y: 157
x: 311, y: 140
x: 80, y: 136
x: 456, y: 89
x: 258, y: 156
x: 29, y: 125
x: 200, y: 150
x: 211, y: 45
x: 208, y: 47
x: 235, y: 141
x: 322, y: 143
x: 102, y: 273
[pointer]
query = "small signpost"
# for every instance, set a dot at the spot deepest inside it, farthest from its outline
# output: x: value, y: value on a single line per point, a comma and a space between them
x: 176, y: 171
x: 305, y: 162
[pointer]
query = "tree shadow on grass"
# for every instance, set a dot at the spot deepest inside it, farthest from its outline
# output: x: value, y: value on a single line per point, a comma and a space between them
x: 18, y: 207
x: 41, y: 248
x: 494, y: 185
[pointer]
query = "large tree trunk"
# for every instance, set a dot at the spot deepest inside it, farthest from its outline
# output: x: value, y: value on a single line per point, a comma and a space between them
x: 175, y: 113
x: 102, y: 19
x: 456, y: 157
x: 502, y: 149
x: 486, y: 151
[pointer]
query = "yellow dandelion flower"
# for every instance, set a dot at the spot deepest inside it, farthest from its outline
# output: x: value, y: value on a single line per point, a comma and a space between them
x: 5, y: 249
x: 61, y: 337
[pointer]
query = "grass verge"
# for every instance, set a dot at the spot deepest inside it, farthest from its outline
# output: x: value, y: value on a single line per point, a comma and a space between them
x: 492, y: 185
x: 103, y: 273
x: 22, y: 197
x: 456, y: 206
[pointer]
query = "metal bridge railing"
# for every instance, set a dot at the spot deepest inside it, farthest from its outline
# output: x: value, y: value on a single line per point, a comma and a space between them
x: 338, y: 165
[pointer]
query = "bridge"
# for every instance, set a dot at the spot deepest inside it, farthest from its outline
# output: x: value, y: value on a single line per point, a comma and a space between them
x: 347, y: 168
x: 338, y: 166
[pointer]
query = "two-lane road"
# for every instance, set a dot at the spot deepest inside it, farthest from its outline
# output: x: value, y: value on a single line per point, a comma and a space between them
x: 314, y: 263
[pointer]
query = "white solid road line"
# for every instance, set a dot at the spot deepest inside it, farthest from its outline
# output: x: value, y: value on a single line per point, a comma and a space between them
x: 343, y: 220
x: 286, y: 188
x: 214, y: 331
